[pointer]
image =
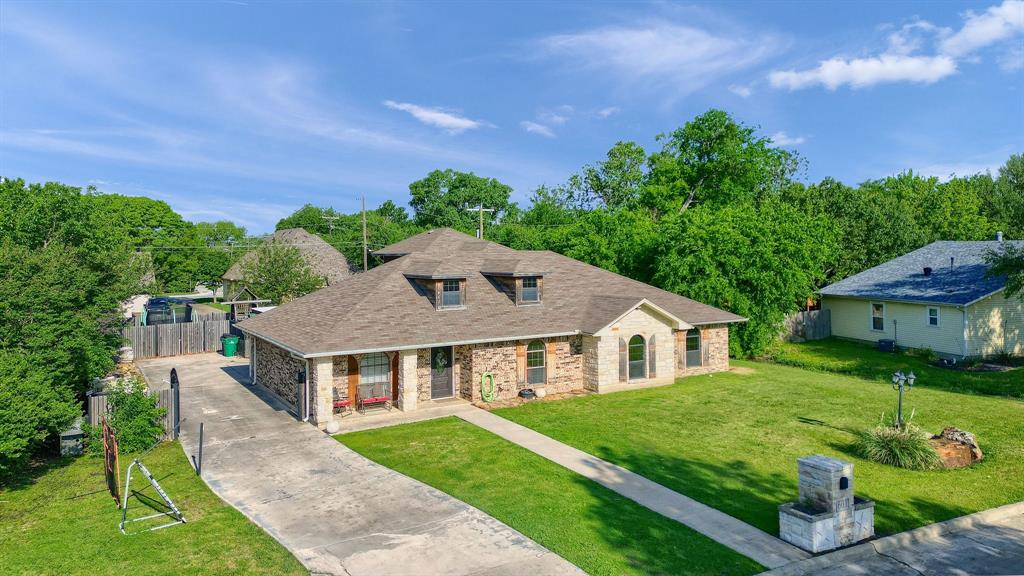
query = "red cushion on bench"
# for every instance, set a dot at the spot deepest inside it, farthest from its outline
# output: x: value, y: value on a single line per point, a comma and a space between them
x: 375, y: 399
x: 338, y: 403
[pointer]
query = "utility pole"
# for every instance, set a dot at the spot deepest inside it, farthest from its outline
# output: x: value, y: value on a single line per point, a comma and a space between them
x: 364, y: 233
x: 330, y: 222
x: 481, y: 210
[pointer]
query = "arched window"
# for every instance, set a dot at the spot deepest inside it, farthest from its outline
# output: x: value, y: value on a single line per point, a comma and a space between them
x: 637, y: 358
x: 374, y: 375
x: 536, y: 361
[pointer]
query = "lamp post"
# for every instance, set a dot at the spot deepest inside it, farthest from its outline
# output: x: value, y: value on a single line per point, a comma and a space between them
x: 899, y: 382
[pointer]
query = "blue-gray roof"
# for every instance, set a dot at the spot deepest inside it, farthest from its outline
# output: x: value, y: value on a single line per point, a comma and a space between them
x: 903, y: 278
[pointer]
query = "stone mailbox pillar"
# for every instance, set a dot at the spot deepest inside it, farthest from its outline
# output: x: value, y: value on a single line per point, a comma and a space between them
x: 826, y: 515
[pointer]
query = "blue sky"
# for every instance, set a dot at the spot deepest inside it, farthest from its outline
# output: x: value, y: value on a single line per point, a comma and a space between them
x: 247, y: 110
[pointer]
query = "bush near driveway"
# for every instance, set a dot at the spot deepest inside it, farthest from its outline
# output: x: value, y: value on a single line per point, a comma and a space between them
x: 587, y: 524
x: 61, y: 520
x: 731, y: 440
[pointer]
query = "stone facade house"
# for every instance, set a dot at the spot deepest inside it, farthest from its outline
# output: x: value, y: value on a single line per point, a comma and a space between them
x: 938, y: 297
x: 451, y: 316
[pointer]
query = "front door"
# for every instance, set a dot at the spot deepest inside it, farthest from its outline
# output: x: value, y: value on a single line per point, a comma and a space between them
x: 441, y: 383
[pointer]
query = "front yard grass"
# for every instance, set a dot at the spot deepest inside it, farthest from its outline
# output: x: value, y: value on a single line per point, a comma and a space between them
x: 582, y: 521
x: 65, y: 522
x: 731, y: 440
x: 865, y: 361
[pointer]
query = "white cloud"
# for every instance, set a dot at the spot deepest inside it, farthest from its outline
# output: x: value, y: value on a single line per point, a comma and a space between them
x: 608, y: 112
x: 995, y: 24
x: 1013, y: 59
x: 903, y: 61
x: 741, y: 91
x: 780, y: 138
x: 535, y: 128
x: 551, y: 117
x: 449, y: 121
x: 675, y: 58
x: 863, y: 72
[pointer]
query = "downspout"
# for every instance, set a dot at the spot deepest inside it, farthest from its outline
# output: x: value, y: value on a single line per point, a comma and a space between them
x: 305, y: 394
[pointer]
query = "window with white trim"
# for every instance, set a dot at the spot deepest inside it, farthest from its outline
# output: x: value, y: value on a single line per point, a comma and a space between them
x: 637, y: 358
x: 536, y: 369
x: 451, y: 294
x: 877, y: 316
x: 933, y: 315
x: 531, y: 290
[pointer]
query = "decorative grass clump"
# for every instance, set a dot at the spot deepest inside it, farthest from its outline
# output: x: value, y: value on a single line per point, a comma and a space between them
x: 904, y: 446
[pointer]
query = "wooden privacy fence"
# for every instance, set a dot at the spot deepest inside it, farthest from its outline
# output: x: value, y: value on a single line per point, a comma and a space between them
x: 97, y: 409
x: 175, y: 339
x: 807, y: 325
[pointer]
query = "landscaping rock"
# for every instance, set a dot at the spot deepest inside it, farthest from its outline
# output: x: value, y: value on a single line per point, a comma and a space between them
x: 957, y: 448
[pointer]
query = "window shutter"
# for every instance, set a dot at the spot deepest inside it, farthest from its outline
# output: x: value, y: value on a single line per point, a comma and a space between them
x: 394, y: 376
x: 549, y: 361
x: 652, y: 358
x: 353, y: 378
x: 623, y: 361
x: 521, y: 362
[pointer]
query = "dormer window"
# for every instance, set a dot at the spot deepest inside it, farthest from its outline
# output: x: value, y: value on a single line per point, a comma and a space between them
x: 530, y: 292
x: 451, y: 294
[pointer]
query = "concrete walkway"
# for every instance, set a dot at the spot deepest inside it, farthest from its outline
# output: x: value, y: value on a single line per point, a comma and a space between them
x: 989, y: 542
x: 336, y: 511
x: 767, y: 550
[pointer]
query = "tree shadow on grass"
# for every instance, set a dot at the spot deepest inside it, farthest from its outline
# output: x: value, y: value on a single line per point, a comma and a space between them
x: 654, y: 544
x: 734, y: 486
x: 35, y: 470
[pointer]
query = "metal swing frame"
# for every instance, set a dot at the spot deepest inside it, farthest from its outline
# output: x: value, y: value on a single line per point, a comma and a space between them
x: 173, y: 513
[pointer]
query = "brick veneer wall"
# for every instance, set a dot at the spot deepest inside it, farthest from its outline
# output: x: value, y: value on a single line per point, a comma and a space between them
x: 423, y: 374
x: 339, y: 374
x: 276, y: 369
x: 714, y: 341
x: 499, y: 358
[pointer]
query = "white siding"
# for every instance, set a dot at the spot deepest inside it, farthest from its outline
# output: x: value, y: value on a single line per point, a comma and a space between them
x: 996, y: 325
x: 851, y: 318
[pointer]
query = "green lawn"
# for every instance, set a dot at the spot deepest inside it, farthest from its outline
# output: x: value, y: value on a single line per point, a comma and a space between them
x: 731, y: 440
x: 865, y: 361
x: 63, y: 521
x: 585, y: 523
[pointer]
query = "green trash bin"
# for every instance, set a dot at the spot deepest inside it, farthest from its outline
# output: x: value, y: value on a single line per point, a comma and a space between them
x: 229, y: 344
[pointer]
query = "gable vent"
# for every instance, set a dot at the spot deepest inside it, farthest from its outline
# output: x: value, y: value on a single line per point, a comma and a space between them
x: 927, y: 270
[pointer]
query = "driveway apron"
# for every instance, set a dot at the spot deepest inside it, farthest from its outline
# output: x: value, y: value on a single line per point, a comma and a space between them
x: 336, y: 511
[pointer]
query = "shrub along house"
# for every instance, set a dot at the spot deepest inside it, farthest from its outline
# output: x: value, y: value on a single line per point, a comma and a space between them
x: 938, y: 297
x: 447, y: 312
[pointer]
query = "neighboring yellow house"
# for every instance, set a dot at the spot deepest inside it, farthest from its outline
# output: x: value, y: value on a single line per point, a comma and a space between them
x: 937, y: 297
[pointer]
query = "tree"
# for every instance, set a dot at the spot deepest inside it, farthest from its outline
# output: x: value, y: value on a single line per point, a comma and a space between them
x: 715, y: 160
x: 385, y: 225
x: 1008, y: 262
x: 278, y: 273
x: 441, y: 198
x: 760, y: 262
x: 1007, y: 200
x: 615, y: 182
x: 224, y: 242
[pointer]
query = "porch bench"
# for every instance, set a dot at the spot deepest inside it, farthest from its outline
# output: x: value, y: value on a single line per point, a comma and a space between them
x: 341, y: 406
x: 374, y: 400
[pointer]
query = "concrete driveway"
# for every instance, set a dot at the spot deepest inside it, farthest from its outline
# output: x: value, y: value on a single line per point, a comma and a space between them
x: 336, y: 511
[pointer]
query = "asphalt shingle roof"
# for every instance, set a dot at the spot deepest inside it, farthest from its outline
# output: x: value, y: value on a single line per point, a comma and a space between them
x: 322, y: 258
x: 382, y: 309
x: 903, y: 278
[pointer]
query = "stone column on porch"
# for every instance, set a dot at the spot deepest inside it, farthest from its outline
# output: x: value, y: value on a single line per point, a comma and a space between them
x: 407, y: 391
x: 323, y: 411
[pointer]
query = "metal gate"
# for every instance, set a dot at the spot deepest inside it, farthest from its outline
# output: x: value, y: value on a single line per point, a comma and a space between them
x: 441, y: 382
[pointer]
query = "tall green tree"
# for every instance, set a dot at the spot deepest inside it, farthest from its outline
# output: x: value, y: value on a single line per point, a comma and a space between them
x: 758, y: 261
x: 279, y: 273
x: 223, y: 242
x: 614, y: 182
x: 441, y: 198
x: 716, y: 160
x: 1008, y: 262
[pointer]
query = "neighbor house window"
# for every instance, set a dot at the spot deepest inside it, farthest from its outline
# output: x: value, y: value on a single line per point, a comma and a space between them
x: 877, y: 316
x: 637, y: 358
x: 451, y: 294
x: 536, y: 370
x: 374, y: 375
x: 933, y: 316
x: 530, y: 291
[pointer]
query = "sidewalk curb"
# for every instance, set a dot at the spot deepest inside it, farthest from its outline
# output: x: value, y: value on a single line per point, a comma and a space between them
x: 895, y: 541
